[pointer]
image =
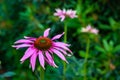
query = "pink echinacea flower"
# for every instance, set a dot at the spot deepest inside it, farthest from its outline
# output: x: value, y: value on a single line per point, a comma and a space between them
x: 90, y: 29
x: 62, y: 14
x: 43, y: 48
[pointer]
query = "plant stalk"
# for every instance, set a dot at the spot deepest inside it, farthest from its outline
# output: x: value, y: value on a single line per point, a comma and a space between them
x: 65, y: 40
x: 41, y: 73
x: 86, y: 59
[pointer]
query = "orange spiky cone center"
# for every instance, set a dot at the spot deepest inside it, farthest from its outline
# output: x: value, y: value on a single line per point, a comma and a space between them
x: 43, y: 43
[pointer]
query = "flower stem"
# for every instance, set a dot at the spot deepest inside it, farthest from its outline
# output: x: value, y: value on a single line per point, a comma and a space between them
x: 65, y: 34
x: 41, y: 73
x: 65, y: 40
x: 86, y: 58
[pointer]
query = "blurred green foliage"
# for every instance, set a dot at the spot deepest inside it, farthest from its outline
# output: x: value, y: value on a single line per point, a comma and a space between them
x: 20, y: 18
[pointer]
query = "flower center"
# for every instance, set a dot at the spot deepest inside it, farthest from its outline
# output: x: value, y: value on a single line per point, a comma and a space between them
x: 43, y: 43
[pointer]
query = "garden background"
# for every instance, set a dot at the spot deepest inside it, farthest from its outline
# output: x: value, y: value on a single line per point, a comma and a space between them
x: 19, y: 18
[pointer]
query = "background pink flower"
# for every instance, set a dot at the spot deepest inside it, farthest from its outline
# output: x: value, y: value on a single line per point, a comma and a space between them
x: 71, y: 13
x: 43, y: 48
x: 65, y: 13
x: 90, y: 30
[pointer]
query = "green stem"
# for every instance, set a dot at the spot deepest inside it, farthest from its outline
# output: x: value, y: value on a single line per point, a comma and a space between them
x: 65, y: 34
x: 86, y: 58
x: 41, y: 73
x: 64, y: 70
x: 65, y: 40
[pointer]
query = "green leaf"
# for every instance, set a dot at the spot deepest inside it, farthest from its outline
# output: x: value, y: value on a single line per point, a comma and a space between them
x: 106, y: 45
x: 105, y: 27
x: 117, y: 48
x: 111, y: 46
x: 82, y: 53
x: 99, y: 49
x: 112, y: 21
x: 111, y: 43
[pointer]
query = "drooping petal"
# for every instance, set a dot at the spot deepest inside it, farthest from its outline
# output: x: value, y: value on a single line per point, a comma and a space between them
x: 94, y: 31
x: 57, y: 36
x: 28, y: 53
x: 59, y: 54
x: 21, y: 62
x: 30, y: 38
x: 56, y: 14
x: 46, y: 32
x: 61, y: 43
x: 50, y: 63
x: 63, y: 51
x: 50, y: 59
x: 33, y: 60
x: 23, y: 41
x: 62, y: 18
x: 41, y: 59
x: 58, y: 10
x: 63, y: 47
x: 21, y: 46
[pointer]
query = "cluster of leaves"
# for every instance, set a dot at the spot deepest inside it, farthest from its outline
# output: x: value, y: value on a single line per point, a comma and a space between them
x: 20, y: 18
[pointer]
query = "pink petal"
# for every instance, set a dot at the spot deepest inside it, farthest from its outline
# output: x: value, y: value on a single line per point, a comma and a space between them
x: 58, y: 10
x: 50, y: 63
x: 59, y: 54
x: 68, y: 12
x: 33, y: 60
x: 63, y: 51
x: 56, y: 14
x: 27, y: 54
x: 50, y: 59
x: 46, y: 32
x: 21, y: 45
x: 30, y: 38
x: 41, y: 59
x: 88, y: 27
x: 23, y: 41
x: 95, y: 31
x: 61, y: 43
x: 64, y: 11
x: 71, y: 13
x: 62, y: 18
x: 21, y: 62
x: 26, y: 37
x: 57, y: 36
x: 63, y: 47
